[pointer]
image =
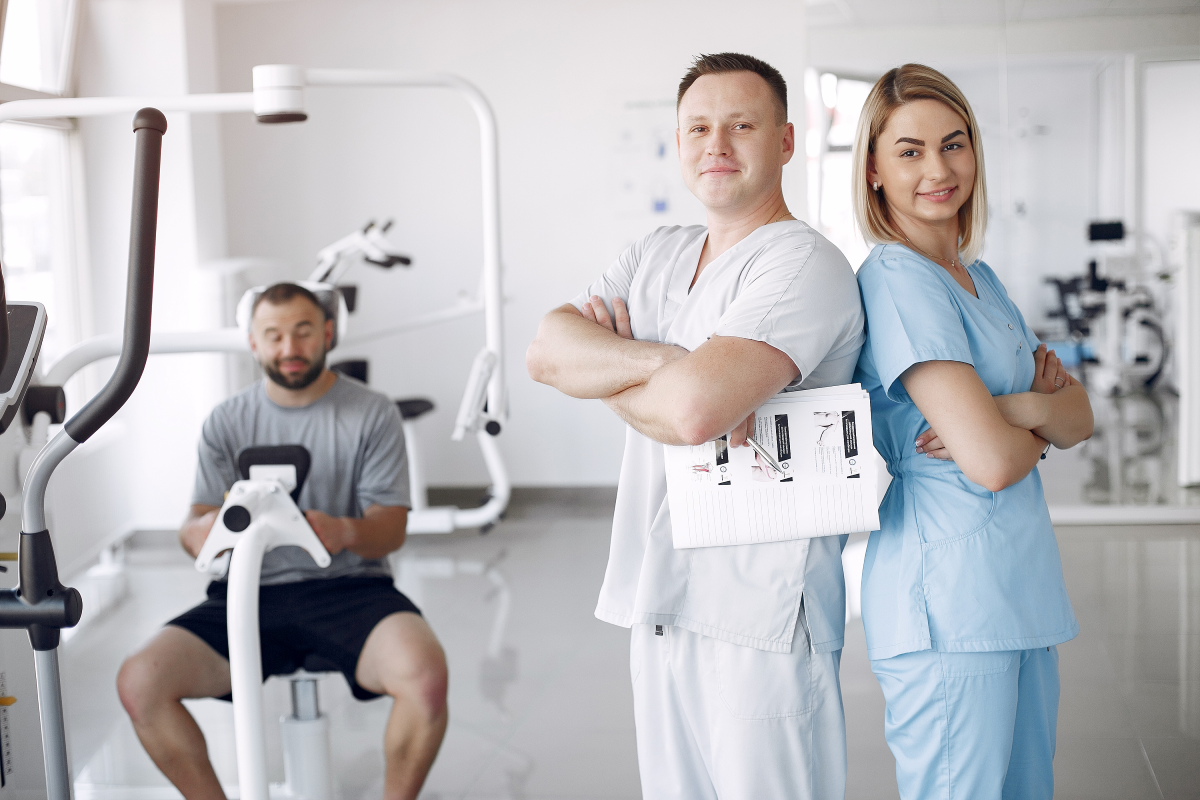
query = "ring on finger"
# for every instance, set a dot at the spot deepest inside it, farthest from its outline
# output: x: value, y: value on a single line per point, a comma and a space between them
x: 1059, y: 385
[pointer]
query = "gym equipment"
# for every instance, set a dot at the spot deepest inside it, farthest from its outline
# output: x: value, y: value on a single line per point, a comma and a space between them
x: 260, y: 514
x: 278, y: 97
x: 40, y: 603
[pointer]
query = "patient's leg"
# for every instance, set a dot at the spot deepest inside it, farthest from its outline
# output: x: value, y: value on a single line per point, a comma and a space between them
x: 176, y: 664
x: 402, y: 658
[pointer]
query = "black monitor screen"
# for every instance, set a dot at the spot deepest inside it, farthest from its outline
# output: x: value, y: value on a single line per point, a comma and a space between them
x: 21, y: 321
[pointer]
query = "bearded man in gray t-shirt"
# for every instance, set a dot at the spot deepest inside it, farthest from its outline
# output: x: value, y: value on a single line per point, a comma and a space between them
x: 349, y: 615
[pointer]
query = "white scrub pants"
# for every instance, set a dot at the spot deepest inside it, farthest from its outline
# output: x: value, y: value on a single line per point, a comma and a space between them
x: 715, y: 720
x: 972, y: 725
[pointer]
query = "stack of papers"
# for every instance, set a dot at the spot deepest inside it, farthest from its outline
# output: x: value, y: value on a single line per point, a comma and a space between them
x: 821, y: 438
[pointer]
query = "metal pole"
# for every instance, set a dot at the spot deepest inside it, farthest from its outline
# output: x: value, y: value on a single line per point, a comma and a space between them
x: 54, y: 732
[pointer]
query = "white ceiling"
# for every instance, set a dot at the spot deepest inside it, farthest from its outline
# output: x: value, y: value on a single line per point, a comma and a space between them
x: 982, y: 12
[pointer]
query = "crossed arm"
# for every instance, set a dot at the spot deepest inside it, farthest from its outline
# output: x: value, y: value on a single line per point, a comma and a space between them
x: 381, y: 530
x: 996, y: 441
x: 663, y: 391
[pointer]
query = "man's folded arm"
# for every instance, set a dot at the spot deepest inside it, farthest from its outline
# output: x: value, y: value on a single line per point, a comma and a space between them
x: 707, y: 393
x: 588, y: 361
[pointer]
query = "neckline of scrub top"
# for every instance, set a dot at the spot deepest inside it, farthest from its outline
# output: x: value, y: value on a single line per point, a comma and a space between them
x: 987, y: 305
x: 681, y: 287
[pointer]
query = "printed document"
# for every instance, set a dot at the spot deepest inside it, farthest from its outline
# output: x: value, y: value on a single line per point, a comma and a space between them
x: 722, y: 495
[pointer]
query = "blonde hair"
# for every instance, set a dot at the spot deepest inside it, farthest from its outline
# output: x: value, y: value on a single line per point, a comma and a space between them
x: 897, y: 88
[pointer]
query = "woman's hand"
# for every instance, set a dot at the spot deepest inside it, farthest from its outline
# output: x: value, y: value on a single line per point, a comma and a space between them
x: 1049, y: 374
x: 929, y: 444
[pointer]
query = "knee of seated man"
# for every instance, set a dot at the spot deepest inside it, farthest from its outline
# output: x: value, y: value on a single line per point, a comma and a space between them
x: 416, y: 672
x: 139, y: 685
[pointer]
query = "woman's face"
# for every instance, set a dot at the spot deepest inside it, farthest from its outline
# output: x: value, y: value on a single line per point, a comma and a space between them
x: 924, y: 162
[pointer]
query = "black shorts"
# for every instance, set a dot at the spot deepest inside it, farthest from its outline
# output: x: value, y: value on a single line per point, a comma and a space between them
x: 329, y: 619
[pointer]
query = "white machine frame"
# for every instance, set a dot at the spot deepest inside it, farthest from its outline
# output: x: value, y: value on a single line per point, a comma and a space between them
x: 278, y: 96
x: 273, y: 521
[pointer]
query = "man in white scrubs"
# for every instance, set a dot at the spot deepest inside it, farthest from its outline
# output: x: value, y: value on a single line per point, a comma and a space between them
x: 735, y: 650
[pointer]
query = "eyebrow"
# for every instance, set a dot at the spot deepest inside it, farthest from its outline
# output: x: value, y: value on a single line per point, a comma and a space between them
x: 921, y: 142
x: 749, y: 116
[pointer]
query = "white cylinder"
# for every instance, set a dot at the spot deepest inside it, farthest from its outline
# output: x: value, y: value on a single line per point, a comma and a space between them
x: 245, y: 663
x: 279, y: 93
x: 306, y: 758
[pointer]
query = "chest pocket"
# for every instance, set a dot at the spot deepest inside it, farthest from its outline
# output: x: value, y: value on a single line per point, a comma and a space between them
x: 1003, y: 359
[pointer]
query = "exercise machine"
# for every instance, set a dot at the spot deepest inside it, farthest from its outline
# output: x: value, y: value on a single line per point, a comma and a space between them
x: 260, y: 514
x: 40, y: 603
x: 278, y: 97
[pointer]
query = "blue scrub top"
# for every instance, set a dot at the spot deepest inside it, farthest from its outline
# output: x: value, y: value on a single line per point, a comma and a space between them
x: 953, y: 567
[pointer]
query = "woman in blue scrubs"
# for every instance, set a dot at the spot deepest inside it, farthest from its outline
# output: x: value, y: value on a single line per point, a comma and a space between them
x: 963, y: 597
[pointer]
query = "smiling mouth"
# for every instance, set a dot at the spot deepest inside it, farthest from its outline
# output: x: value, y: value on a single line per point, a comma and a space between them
x: 940, y: 194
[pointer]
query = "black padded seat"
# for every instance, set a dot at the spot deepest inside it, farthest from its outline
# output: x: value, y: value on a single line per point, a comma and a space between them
x: 414, y: 407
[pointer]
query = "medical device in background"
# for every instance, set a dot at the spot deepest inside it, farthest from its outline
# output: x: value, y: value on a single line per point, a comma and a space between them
x: 369, y: 244
x: 40, y: 603
x: 260, y: 514
x: 278, y: 96
x: 1112, y: 325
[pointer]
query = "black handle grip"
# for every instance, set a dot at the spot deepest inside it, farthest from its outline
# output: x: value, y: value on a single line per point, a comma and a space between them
x: 149, y: 125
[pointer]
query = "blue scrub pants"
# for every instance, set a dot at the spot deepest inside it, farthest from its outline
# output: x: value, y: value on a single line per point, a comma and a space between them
x: 972, y: 725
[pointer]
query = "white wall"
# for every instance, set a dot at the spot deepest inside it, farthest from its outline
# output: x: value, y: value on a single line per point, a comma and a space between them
x: 1171, y: 127
x: 137, y: 471
x: 584, y: 94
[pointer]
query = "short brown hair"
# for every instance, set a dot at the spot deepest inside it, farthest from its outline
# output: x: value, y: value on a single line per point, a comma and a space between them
x: 898, y: 87
x: 720, y: 63
x: 280, y: 293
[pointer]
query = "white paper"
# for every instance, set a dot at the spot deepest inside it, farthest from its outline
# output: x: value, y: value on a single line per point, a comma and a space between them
x: 822, y: 438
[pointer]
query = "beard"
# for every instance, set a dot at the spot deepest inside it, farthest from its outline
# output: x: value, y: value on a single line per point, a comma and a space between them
x: 301, y: 381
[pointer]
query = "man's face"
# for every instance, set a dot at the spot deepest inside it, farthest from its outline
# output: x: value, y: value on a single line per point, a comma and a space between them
x: 732, y: 147
x: 289, y: 340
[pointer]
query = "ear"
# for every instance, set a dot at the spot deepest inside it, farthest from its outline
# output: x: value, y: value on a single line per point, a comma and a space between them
x: 677, y: 150
x: 328, y: 333
x: 789, y: 142
x: 253, y: 346
x: 872, y: 175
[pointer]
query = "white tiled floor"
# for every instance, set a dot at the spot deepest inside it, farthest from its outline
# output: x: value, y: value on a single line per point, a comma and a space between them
x: 541, y: 705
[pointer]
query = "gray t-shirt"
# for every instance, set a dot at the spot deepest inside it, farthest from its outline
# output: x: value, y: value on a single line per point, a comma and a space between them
x: 357, y: 445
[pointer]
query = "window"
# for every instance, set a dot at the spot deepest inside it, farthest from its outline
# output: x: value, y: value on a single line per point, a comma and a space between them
x: 837, y: 103
x: 35, y: 227
x: 35, y: 50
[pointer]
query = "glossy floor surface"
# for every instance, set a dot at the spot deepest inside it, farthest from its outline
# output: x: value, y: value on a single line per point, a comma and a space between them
x: 540, y: 699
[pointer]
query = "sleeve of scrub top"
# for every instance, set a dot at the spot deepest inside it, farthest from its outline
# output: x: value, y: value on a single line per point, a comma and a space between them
x: 618, y: 278
x: 216, y: 470
x: 801, y: 300
x: 911, y: 319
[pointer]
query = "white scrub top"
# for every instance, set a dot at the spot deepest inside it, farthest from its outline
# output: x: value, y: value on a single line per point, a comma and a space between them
x: 785, y: 285
x: 954, y: 567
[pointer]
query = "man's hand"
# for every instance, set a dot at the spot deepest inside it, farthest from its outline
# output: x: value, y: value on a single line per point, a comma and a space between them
x: 336, y: 533
x: 617, y: 322
x: 196, y: 527
x: 741, y: 432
